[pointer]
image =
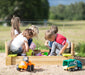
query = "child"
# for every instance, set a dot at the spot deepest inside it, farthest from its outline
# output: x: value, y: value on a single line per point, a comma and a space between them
x: 60, y: 42
x: 35, y: 29
x: 49, y: 43
x: 15, y: 30
x: 35, y: 34
x: 20, y: 43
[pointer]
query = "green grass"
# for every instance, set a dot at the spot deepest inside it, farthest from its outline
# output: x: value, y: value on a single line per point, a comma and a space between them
x: 2, y: 50
x: 80, y: 49
x: 75, y: 33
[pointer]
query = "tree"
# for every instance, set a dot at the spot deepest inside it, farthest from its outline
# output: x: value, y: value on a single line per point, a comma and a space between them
x: 68, y: 12
x: 25, y: 9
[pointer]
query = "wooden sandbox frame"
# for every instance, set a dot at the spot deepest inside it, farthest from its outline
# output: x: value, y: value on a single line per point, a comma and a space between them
x: 39, y: 60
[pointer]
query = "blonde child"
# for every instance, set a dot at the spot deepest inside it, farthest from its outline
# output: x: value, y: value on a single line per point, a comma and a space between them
x: 48, y: 43
x: 20, y: 43
x: 15, y: 30
x: 35, y: 29
x: 35, y: 34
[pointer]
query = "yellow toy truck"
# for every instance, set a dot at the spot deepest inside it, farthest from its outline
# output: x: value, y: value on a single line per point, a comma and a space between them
x: 25, y: 65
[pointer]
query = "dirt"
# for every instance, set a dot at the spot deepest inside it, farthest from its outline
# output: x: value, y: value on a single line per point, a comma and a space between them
x: 39, y: 70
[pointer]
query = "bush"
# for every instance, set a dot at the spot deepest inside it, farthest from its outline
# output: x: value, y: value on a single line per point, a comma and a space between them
x: 80, y: 48
x: 2, y: 48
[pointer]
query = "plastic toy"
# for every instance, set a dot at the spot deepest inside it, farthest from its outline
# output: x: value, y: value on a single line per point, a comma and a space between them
x: 25, y: 65
x: 46, y: 53
x: 66, y: 54
x: 72, y: 65
x: 29, y: 53
x: 39, y: 54
x: 12, y: 55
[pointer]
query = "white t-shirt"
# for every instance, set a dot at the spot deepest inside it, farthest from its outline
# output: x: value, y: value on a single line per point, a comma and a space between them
x: 16, y: 32
x: 17, y: 42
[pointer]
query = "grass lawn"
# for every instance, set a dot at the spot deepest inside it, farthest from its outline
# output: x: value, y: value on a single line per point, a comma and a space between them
x: 73, y: 30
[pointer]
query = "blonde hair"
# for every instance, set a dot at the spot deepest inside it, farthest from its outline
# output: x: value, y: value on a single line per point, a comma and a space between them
x: 35, y: 29
x: 48, y: 34
x: 15, y: 25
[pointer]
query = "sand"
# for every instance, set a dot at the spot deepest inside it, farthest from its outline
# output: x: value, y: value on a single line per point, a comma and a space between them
x: 39, y: 70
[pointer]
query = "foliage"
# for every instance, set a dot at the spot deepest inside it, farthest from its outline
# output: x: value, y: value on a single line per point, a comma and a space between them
x: 25, y: 9
x: 80, y: 48
x: 2, y: 47
x: 68, y: 12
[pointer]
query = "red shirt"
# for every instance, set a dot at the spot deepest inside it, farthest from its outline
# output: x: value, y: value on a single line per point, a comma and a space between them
x: 60, y: 39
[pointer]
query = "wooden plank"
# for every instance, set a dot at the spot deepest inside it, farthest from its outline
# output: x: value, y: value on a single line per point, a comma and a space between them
x: 6, y: 49
x: 41, y: 60
x: 8, y: 60
x: 72, y: 49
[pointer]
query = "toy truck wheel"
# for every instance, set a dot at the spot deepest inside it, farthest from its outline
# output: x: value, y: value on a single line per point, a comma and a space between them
x: 32, y: 67
x: 70, y: 69
x: 79, y: 68
x: 73, y: 69
x: 18, y: 68
x: 29, y: 68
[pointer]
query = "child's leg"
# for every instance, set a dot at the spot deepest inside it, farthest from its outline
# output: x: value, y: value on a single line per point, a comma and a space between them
x: 55, y: 46
x: 18, y: 52
x: 57, y: 52
x: 59, y: 49
x: 24, y: 48
x: 49, y: 51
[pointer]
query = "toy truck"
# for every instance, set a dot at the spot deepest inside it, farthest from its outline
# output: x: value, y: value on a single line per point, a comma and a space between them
x: 72, y: 65
x: 25, y: 65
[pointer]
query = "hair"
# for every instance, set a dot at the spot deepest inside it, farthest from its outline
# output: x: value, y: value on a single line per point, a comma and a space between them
x: 28, y: 32
x: 54, y: 29
x: 35, y: 29
x: 15, y: 23
x: 48, y: 34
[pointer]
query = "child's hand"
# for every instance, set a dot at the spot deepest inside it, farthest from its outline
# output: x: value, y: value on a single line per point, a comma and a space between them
x: 59, y: 55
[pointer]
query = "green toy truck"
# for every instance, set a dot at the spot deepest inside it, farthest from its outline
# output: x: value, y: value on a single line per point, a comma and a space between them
x: 72, y: 65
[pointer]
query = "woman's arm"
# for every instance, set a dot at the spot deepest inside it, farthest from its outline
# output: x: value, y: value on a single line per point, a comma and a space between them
x: 64, y: 47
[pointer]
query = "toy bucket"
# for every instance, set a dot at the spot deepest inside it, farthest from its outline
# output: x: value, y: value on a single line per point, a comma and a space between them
x: 29, y: 53
x: 46, y: 53
x: 12, y: 55
x: 67, y: 54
